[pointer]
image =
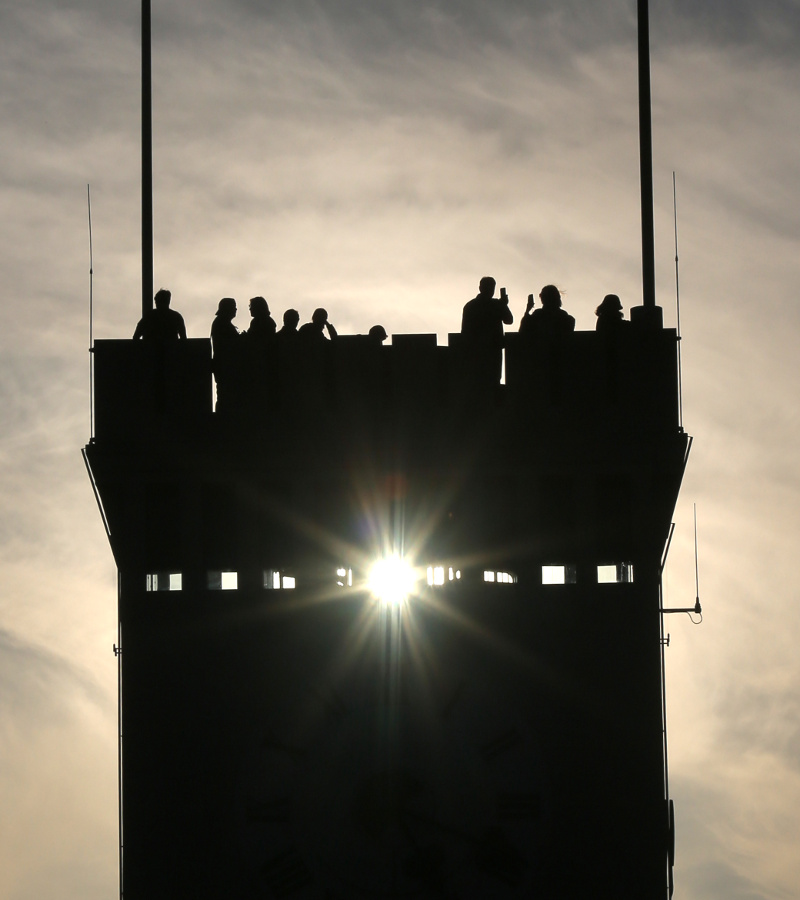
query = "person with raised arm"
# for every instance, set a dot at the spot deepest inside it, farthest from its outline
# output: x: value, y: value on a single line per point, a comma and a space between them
x: 550, y: 321
x: 482, y: 323
x: 313, y: 332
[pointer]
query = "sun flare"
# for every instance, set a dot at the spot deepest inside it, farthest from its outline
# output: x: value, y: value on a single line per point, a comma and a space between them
x: 391, y: 580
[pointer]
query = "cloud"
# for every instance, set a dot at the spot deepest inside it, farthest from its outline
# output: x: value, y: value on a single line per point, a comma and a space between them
x: 36, y: 682
x: 727, y: 845
x: 57, y: 778
x: 377, y: 159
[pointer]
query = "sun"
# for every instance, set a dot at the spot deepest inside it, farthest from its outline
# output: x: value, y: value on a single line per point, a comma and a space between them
x: 391, y: 580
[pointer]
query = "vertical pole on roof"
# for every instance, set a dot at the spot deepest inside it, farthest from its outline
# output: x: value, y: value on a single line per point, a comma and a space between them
x: 646, y: 158
x: 147, y: 163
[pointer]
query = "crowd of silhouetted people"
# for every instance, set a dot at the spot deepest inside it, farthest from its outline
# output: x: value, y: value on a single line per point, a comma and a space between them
x: 249, y: 361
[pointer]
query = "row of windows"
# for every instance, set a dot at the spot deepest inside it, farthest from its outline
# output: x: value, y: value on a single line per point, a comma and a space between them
x: 436, y: 576
x: 219, y: 580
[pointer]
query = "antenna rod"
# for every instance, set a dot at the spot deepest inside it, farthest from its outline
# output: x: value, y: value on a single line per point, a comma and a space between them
x: 677, y: 302
x: 147, y: 163
x: 646, y: 159
x: 91, y: 317
x: 696, y: 563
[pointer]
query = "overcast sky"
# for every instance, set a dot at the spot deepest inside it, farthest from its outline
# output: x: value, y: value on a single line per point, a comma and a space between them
x: 377, y: 158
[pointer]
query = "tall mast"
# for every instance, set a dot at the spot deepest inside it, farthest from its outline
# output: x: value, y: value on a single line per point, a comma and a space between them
x: 646, y: 158
x: 147, y: 164
x: 648, y: 312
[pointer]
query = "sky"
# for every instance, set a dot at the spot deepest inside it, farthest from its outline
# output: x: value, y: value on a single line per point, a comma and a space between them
x: 377, y: 158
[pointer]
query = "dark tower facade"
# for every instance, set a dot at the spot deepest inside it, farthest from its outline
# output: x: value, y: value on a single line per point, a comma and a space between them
x: 488, y: 721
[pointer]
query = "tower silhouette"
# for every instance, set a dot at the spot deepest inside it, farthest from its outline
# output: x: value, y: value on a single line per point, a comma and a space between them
x: 494, y: 728
x: 486, y: 718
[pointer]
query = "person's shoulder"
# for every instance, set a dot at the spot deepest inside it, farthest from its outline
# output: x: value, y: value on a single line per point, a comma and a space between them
x: 567, y: 321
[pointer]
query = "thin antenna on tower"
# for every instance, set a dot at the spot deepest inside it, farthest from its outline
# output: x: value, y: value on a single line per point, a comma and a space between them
x: 677, y: 300
x: 91, y: 318
x: 696, y: 610
x: 696, y: 566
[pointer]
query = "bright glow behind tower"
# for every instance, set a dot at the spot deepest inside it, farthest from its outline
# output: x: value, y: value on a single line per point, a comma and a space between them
x: 391, y: 580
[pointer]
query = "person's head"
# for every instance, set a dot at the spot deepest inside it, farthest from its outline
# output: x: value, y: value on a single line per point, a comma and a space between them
x: 162, y: 298
x: 259, y: 308
x: 550, y: 296
x: 611, y: 306
x: 487, y: 286
x: 291, y: 319
x: 226, y: 308
x: 378, y: 333
x: 320, y: 317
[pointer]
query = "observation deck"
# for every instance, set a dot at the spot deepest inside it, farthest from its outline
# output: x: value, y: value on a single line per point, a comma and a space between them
x: 578, y: 454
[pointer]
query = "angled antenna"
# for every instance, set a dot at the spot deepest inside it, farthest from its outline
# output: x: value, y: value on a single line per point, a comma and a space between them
x: 91, y: 318
x: 696, y: 610
x: 677, y: 301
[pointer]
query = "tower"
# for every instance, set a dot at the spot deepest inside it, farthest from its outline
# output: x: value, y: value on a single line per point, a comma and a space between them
x: 494, y: 728
x: 485, y: 720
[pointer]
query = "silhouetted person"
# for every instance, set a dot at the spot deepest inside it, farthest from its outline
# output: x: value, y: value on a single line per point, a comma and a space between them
x: 378, y: 334
x: 226, y: 364
x: 162, y: 323
x: 261, y: 353
x: 611, y: 323
x: 262, y: 326
x: 314, y: 370
x: 610, y: 318
x: 286, y: 344
x: 545, y: 334
x: 377, y: 378
x: 289, y: 332
x: 313, y: 332
x: 550, y: 321
x: 482, y: 326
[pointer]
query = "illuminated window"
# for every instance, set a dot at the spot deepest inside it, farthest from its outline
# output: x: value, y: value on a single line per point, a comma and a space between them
x: 615, y: 573
x: 498, y: 577
x: 224, y: 580
x: 344, y: 577
x: 275, y: 580
x: 436, y: 575
x: 440, y: 575
x: 165, y: 581
x: 558, y: 574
